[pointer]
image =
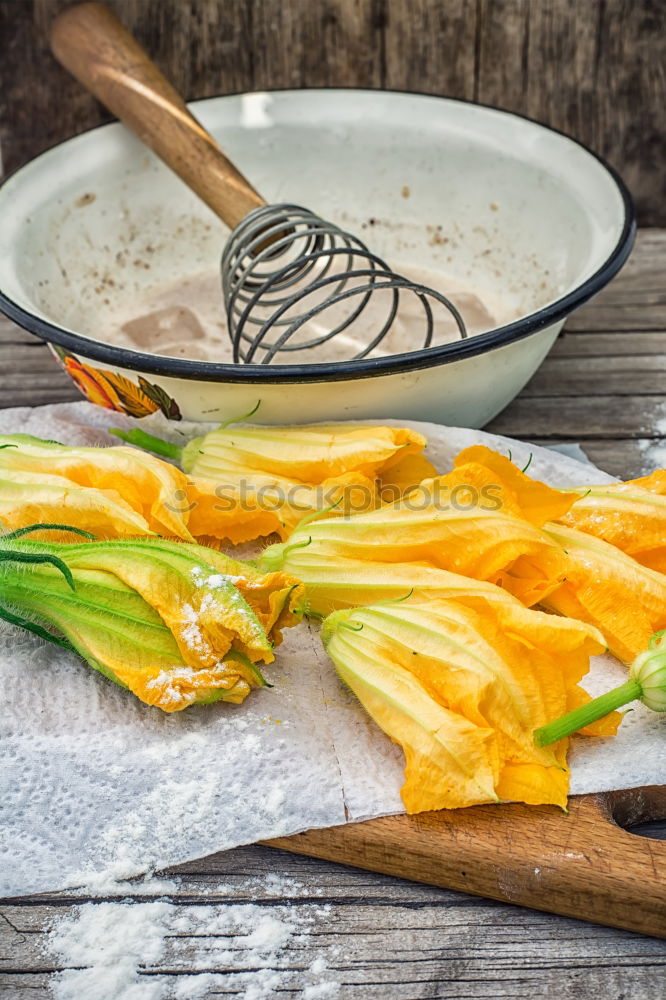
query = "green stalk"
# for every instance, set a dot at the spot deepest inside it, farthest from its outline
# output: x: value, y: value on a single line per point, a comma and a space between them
x: 34, y: 559
x: 149, y: 442
x: 586, y: 714
x: 44, y: 526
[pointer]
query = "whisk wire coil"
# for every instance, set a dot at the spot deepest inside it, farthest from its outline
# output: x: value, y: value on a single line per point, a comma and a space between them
x: 280, y: 256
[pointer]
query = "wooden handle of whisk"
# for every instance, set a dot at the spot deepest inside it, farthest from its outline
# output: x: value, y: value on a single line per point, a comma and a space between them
x: 98, y: 50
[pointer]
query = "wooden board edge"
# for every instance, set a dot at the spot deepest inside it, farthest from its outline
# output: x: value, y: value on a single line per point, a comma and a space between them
x: 582, y: 864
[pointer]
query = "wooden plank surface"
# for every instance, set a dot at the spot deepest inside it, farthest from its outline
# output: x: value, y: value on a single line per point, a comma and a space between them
x: 381, y: 937
x: 592, y: 69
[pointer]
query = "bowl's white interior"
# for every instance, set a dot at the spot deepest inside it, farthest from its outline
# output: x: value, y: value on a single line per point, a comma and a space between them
x: 525, y: 213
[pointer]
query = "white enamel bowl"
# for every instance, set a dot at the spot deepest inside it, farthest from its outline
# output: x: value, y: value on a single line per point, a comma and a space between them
x: 525, y: 212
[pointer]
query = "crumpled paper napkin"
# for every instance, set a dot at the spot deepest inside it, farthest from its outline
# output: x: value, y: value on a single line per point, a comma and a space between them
x: 93, y: 781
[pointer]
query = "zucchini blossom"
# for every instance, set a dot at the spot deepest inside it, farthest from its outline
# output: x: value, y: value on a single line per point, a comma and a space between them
x: 174, y: 623
x: 281, y: 474
x: 111, y: 492
x: 461, y: 690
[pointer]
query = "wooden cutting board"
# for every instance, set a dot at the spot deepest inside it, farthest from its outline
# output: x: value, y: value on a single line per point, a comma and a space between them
x: 582, y: 864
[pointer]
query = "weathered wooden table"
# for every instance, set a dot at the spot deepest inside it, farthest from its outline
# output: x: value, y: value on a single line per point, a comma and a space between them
x: 603, y: 385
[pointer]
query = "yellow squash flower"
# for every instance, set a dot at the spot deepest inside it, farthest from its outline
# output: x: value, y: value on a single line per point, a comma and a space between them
x: 449, y: 762
x: 278, y: 475
x: 335, y: 584
x: 164, y: 619
x: 28, y: 497
x: 462, y: 691
x: 609, y: 589
x: 121, y: 477
x: 483, y: 543
x: 305, y: 454
x: 631, y: 516
x: 602, y: 584
x: 340, y: 584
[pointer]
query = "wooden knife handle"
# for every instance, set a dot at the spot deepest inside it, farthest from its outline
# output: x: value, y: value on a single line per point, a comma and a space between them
x: 98, y: 50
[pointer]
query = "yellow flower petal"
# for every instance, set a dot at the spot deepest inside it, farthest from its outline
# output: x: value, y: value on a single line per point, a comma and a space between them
x: 33, y: 497
x: 152, y: 488
x: 483, y: 468
x: 307, y: 454
x: 485, y: 545
x: 218, y: 514
x: 631, y: 516
x: 603, y: 586
x: 501, y: 667
x: 175, y: 688
x: 277, y: 598
x: 402, y: 474
x: 252, y: 481
x: 450, y: 762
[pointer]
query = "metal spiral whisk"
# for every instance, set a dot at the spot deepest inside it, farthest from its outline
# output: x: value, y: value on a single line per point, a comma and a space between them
x: 284, y: 267
x: 293, y: 283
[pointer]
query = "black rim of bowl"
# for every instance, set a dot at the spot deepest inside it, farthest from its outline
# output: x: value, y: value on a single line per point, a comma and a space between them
x: 334, y: 371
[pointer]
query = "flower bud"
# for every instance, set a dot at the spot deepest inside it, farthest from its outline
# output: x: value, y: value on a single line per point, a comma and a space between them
x: 649, y: 670
x: 167, y: 620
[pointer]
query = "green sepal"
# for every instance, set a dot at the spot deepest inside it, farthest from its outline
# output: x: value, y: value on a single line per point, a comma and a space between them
x: 36, y: 629
x: 10, y: 555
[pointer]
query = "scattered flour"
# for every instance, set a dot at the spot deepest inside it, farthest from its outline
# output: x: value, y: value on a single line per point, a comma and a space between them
x: 176, y: 686
x: 653, y: 454
x: 321, y: 991
x: 653, y: 449
x: 120, y: 951
x: 215, y: 580
x: 191, y: 633
x: 114, y: 882
x: 123, y: 880
x: 211, y: 610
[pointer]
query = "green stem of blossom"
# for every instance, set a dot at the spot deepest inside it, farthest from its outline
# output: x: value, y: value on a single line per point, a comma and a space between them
x: 9, y: 555
x: 149, y: 442
x: 589, y: 713
x: 38, y: 630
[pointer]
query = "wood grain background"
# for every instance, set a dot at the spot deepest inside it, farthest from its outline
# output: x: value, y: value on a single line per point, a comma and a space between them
x: 594, y: 68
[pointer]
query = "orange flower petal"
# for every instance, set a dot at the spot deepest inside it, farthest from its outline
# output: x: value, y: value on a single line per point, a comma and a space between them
x: 483, y: 468
x: 631, y: 516
x: 609, y: 589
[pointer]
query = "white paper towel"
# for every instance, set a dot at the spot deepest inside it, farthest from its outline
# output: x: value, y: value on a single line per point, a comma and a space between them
x: 92, y: 780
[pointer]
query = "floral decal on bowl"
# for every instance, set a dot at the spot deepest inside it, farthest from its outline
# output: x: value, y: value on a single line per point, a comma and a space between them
x: 116, y: 392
